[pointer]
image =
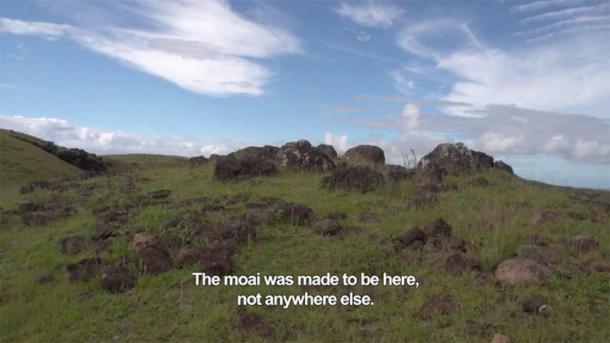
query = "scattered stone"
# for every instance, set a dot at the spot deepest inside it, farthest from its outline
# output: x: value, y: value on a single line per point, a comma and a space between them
x: 248, y: 322
x: 543, y: 217
x: 413, y: 238
x: 32, y: 186
x: 329, y: 150
x: 153, y: 260
x: 500, y: 165
x: 232, y: 169
x: 500, y: 338
x: 197, y: 161
x: 160, y: 194
x: 72, y: 245
x: 296, y: 214
x: 267, y: 152
x: 117, y: 278
x: 258, y: 216
x: 600, y: 267
x: 532, y: 305
x: 517, y: 271
x: 353, y: 178
x: 365, y: 154
x: 443, y: 305
x: 45, y: 277
x: 348, y: 231
x: 478, y: 329
x: 113, y: 215
x: 459, y: 263
x: 438, y: 227
x: 142, y: 240
x: 187, y: 257
x: 301, y: 155
x: 84, y: 269
x: 454, y: 159
x: 583, y: 243
x: 238, y: 229
x: 539, y: 253
x: 399, y: 173
x: 327, y: 227
x: 368, y: 218
x: 217, y: 260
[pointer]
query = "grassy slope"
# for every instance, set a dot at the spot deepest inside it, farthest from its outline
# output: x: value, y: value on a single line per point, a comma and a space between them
x: 494, y: 221
x: 22, y: 162
x: 131, y: 162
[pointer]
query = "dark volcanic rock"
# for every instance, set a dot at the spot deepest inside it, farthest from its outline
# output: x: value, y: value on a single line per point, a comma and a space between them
x: 45, y: 277
x: 267, y: 152
x: 532, y: 304
x: 301, y: 155
x: 238, y: 229
x: 454, y: 159
x: 583, y: 243
x: 327, y: 227
x: 197, y: 161
x: 518, y: 271
x: 503, y: 166
x: 541, y: 254
x: 543, y: 217
x: 232, y: 169
x: 413, y: 238
x: 72, y: 245
x: 296, y: 214
x: 84, y: 269
x: 217, y: 260
x: 32, y: 186
x: 398, y: 173
x: 365, y: 154
x: 438, y: 227
x: 117, y: 278
x: 187, y: 257
x: 160, y: 194
x: 329, y: 150
x: 153, y: 260
x: 353, y: 178
x: 459, y: 263
x: 442, y: 305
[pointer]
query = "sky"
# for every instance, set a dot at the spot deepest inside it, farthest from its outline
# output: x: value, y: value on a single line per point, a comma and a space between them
x: 525, y: 81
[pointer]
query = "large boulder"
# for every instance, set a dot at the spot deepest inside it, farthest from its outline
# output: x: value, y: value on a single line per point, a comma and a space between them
x: 232, y: 169
x: 518, y: 271
x: 454, y: 159
x: 117, y: 278
x: 301, y: 155
x: 365, y: 154
x: 267, y: 152
x: 328, y: 149
x: 353, y: 178
x: 398, y: 173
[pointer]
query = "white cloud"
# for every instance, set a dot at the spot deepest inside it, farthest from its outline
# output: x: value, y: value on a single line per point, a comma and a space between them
x: 370, y: 13
x: 411, y: 116
x: 542, y: 4
x: 567, y: 13
x: 338, y: 141
x: 363, y: 36
x: 204, y: 47
x: 105, y: 141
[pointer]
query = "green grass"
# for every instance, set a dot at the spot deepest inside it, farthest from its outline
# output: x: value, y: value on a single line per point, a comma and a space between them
x: 130, y: 162
x: 22, y: 162
x: 493, y: 220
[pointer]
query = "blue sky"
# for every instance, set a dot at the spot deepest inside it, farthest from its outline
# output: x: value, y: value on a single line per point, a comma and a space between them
x: 528, y: 81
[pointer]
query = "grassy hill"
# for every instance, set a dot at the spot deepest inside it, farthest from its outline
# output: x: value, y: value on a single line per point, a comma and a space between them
x: 131, y: 162
x: 38, y: 302
x: 22, y: 162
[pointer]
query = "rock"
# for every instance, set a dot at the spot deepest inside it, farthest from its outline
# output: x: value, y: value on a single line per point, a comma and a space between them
x: 540, y: 253
x: 258, y: 216
x: 444, y: 305
x: 500, y: 165
x: 218, y: 260
x: 543, y: 217
x: 142, y: 240
x: 187, y: 257
x: 454, y: 159
x: 160, y: 194
x: 248, y: 322
x: 267, y: 152
x: 500, y: 338
x: 517, y: 271
x: 438, y: 227
x: 117, y: 278
x: 459, y: 263
x: 398, y: 173
x: 84, y: 269
x: 72, y: 245
x: 600, y: 267
x: 368, y: 218
x: 32, y: 186
x: 301, y: 155
x: 353, y: 178
x: 365, y: 154
x: 238, y: 229
x: 45, y: 277
x: 413, y: 238
x: 327, y: 227
x: 532, y: 305
x: 327, y: 149
x: 197, y: 161
x: 232, y: 169
x: 583, y: 243
x: 296, y: 214
x: 153, y: 260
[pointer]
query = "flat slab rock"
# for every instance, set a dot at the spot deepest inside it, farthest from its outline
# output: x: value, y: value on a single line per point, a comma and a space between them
x: 518, y: 271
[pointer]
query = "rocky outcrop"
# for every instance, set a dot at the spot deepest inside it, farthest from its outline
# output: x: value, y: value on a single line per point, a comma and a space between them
x: 365, y: 154
x: 267, y: 152
x: 328, y: 149
x: 454, y: 159
x: 301, y: 155
x: 231, y: 169
x: 353, y: 178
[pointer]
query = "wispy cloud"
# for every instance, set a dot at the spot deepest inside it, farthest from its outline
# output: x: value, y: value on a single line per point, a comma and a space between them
x: 370, y: 13
x: 542, y: 4
x: 204, y: 47
x: 567, y: 13
x: 109, y: 141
